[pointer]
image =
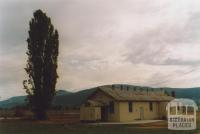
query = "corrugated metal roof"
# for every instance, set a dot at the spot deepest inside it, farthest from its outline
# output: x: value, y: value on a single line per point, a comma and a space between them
x: 135, y: 95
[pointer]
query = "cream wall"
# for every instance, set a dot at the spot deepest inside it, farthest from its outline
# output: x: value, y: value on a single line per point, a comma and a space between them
x: 125, y: 115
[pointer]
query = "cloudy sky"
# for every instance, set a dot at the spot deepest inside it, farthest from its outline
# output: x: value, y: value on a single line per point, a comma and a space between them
x: 141, y: 42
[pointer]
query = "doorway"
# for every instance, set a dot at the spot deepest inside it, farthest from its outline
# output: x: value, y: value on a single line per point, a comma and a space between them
x: 141, y: 113
x: 104, y: 113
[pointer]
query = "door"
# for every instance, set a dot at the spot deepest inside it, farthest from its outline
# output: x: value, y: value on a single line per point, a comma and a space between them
x: 141, y: 113
x: 104, y: 113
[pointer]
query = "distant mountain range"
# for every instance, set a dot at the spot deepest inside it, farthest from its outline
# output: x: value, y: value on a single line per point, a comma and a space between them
x: 62, y: 98
x: 70, y: 99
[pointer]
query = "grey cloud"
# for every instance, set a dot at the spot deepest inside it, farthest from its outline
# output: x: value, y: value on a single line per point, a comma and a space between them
x: 159, y: 79
x: 147, y: 47
x: 154, y: 46
x: 178, y: 75
x: 170, y: 61
x: 77, y: 62
x: 12, y: 74
x: 95, y: 37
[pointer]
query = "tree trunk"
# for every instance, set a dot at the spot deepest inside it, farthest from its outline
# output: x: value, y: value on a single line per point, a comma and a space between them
x: 40, y: 115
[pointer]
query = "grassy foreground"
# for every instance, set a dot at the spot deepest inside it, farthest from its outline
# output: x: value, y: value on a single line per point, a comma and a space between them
x: 31, y: 127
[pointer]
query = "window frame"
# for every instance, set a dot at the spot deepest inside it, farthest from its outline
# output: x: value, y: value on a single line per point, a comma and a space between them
x: 130, y: 106
x: 151, y: 106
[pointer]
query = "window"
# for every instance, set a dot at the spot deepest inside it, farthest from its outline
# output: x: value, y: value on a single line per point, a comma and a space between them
x: 150, y: 106
x: 190, y: 110
x: 172, y: 110
x: 181, y: 110
x: 130, y: 106
x: 111, y: 107
x: 178, y: 108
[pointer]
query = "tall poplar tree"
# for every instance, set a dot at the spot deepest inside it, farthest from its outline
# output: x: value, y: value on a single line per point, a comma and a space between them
x: 41, y: 65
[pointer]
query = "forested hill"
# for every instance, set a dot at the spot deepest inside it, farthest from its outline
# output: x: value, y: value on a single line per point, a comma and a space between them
x: 75, y: 99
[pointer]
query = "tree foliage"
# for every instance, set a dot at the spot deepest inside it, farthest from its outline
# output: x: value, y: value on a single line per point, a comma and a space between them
x: 41, y: 65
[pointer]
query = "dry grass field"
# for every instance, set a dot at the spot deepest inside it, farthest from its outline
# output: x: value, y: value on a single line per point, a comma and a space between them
x: 68, y: 123
x: 64, y: 118
x: 34, y: 127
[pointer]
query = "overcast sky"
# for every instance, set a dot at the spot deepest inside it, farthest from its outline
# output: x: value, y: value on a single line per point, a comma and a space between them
x: 141, y: 42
